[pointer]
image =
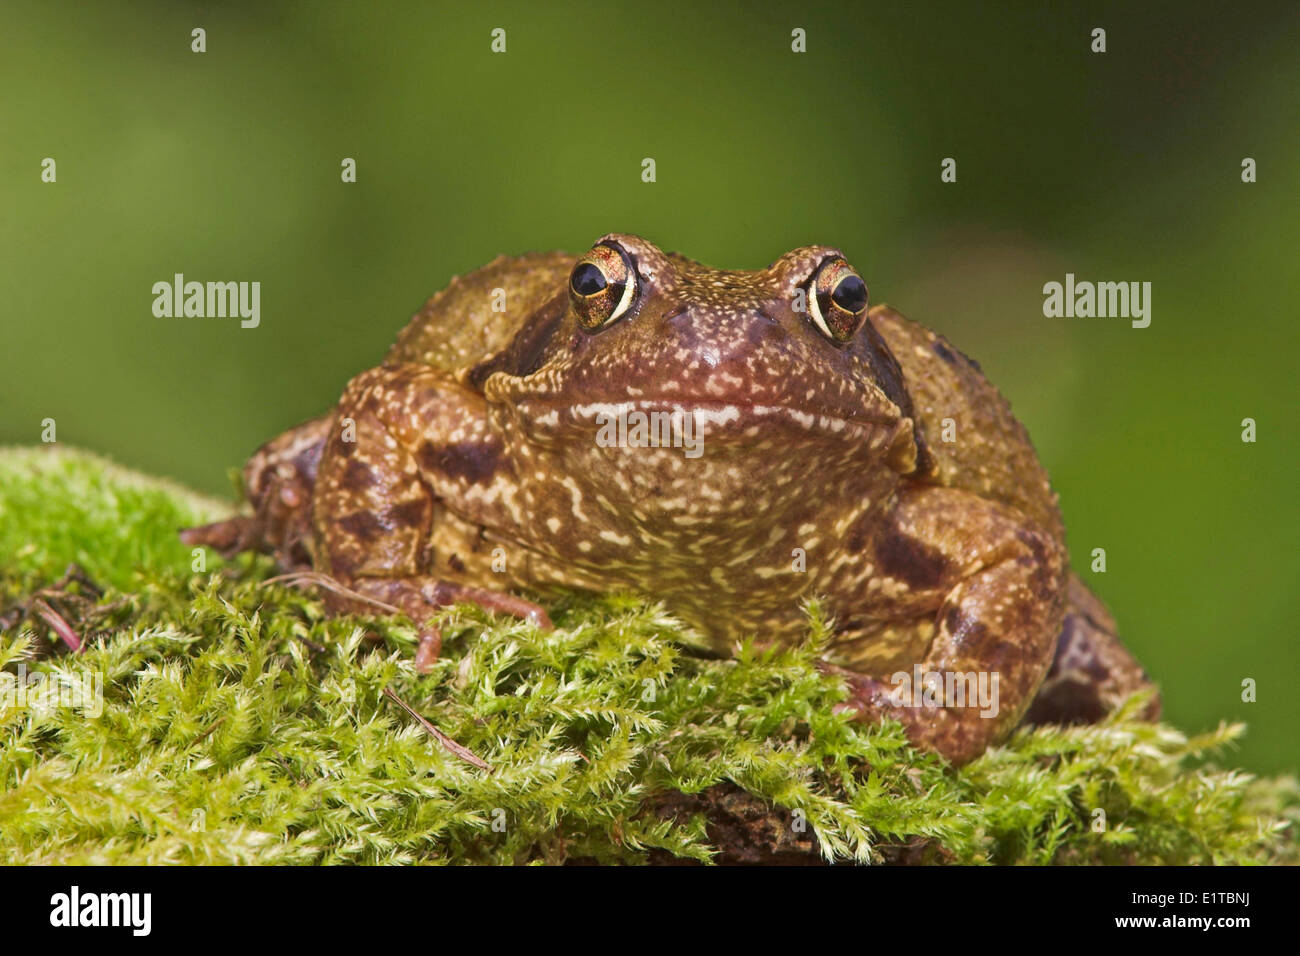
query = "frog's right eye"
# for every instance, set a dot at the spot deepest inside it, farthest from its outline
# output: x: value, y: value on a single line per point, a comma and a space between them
x: 602, y: 286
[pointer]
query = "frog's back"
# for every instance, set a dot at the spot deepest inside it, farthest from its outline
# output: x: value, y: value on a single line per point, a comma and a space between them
x: 458, y: 326
x: 991, y: 454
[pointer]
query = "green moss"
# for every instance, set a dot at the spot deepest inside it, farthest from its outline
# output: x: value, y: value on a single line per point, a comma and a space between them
x: 240, y: 724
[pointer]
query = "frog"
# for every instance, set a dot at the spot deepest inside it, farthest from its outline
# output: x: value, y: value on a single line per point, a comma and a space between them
x: 731, y: 444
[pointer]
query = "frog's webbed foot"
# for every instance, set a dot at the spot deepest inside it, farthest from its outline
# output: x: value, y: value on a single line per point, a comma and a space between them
x: 418, y: 597
x: 278, y: 481
x: 1092, y: 672
x: 415, y: 596
x: 992, y: 587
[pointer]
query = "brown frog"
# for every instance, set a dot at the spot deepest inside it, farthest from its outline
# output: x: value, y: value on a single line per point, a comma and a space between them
x: 729, y: 443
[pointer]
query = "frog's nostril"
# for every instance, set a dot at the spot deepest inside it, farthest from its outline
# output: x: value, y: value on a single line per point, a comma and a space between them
x: 677, y: 317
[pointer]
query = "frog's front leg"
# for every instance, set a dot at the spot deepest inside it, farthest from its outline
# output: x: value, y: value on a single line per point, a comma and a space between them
x: 406, y: 439
x: 992, y: 589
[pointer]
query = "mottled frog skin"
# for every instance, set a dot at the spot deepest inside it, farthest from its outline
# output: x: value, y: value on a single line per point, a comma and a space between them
x: 467, y: 466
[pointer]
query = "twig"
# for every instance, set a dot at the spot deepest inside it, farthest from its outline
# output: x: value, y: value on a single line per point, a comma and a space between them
x: 75, y: 572
x: 463, y: 753
x: 219, y: 721
x: 313, y: 645
x: 61, y: 627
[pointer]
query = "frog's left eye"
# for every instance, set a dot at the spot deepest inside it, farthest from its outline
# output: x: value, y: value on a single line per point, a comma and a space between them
x: 837, y: 300
x: 602, y: 286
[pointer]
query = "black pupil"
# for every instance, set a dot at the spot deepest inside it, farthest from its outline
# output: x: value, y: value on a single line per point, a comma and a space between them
x: 587, y: 279
x: 851, y: 294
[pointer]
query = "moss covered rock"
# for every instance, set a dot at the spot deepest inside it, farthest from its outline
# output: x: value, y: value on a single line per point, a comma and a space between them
x: 234, y: 722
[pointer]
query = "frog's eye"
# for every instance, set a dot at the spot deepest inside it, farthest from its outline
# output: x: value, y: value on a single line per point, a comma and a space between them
x: 602, y: 286
x: 837, y: 300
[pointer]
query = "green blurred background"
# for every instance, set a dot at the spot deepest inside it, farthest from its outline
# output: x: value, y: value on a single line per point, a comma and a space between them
x: 1122, y: 166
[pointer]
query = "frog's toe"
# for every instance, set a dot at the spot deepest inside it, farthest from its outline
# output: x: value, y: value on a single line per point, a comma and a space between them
x: 416, y: 597
x: 959, y: 736
x: 429, y: 648
x: 227, y: 537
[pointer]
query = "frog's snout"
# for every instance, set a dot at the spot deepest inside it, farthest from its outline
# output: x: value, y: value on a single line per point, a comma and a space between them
x: 723, y: 346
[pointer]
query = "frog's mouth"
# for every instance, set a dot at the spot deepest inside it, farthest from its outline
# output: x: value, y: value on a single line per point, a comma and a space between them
x: 696, y: 426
